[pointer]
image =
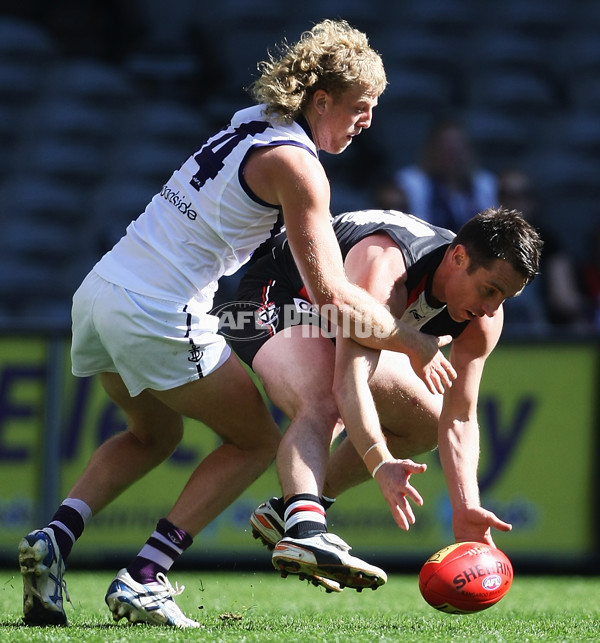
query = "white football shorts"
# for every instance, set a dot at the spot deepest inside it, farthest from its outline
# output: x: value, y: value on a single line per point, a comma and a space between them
x: 150, y: 342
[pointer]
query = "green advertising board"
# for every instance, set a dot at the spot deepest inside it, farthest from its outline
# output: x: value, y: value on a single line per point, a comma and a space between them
x: 22, y: 416
x: 537, y: 412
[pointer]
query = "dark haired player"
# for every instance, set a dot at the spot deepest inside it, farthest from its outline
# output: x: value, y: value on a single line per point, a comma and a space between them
x: 432, y: 280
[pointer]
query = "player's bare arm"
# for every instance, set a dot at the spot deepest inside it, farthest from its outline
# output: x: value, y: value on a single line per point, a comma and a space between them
x: 376, y: 264
x: 458, y: 433
x: 353, y: 366
x: 292, y: 178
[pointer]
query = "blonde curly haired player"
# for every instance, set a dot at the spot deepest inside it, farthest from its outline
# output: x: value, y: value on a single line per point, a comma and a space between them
x: 331, y: 56
x: 142, y: 317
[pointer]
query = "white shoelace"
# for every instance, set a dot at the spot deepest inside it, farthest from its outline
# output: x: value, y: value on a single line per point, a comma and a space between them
x: 66, y: 591
x: 166, y: 583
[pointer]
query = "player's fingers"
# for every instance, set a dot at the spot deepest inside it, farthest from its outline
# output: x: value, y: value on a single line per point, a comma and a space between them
x: 500, y: 525
x: 437, y: 382
x: 401, y: 510
x: 408, y: 512
x: 451, y: 370
x: 447, y: 373
x: 414, y: 495
x: 496, y: 523
x: 400, y: 518
x: 444, y: 381
x: 433, y: 381
x: 429, y: 383
x: 414, y: 467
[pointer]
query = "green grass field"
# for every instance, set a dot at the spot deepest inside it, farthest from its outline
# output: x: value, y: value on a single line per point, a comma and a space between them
x: 264, y: 607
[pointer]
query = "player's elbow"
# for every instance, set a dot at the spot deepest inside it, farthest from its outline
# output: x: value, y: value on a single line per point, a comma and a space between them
x: 331, y: 303
x: 325, y: 295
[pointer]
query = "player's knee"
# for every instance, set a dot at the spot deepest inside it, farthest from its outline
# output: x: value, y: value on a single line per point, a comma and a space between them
x: 161, y: 441
x: 270, y: 439
x: 260, y: 444
x: 271, y: 444
x: 318, y: 420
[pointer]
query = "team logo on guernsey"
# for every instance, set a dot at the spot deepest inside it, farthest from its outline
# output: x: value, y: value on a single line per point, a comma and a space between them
x: 195, y: 354
x: 267, y: 314
x: 417, y: 315
x: 419, y: 312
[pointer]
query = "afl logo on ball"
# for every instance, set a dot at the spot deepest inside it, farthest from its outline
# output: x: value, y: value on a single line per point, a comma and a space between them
x: 491, y: 582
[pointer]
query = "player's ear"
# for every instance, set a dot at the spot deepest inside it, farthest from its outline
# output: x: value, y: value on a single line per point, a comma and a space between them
x: 459, y: 255
x: 319, y: 100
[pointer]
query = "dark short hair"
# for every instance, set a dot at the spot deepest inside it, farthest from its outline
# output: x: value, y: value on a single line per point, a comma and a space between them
x: 498, y: 233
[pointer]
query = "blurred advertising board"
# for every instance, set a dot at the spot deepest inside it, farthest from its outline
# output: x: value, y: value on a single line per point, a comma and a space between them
x: 538, y: 418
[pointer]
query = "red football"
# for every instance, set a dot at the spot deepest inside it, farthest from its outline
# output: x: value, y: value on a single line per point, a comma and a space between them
x: 465, y: 577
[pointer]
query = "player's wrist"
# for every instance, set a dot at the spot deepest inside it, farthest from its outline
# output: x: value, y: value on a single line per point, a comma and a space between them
x: 376, y: 456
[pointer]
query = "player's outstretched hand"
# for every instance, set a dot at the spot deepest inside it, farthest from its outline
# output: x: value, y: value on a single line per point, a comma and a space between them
x: 394, y: 481
x: 475, y: 524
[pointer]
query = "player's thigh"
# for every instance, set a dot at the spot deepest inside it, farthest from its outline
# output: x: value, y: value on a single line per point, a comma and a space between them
x: 296, y: 368
x: 403, y: 401
x: 148, y: 418
x: 229, y: 402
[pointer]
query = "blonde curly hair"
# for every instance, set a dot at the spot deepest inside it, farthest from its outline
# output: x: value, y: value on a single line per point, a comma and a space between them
x: 332, y: 56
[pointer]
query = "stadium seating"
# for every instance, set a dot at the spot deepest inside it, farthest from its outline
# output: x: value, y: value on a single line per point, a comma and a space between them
x: 100, y: 138
x: 543, y: 20
x: 26, y: 42
x: 90, y: 81
x: 67, y: 119
x: 19, y: 84
x: 114, y: 204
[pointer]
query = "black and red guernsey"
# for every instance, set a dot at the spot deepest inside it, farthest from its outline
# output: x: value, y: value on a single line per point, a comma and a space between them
x: 273, y: 281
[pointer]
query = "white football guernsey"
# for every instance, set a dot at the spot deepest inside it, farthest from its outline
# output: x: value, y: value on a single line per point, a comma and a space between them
x: 205, y: 222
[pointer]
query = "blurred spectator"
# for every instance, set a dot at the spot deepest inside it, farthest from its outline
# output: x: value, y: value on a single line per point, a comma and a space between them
x: 448, y: 187
x: 591, y: 279
x: 557, y: 295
